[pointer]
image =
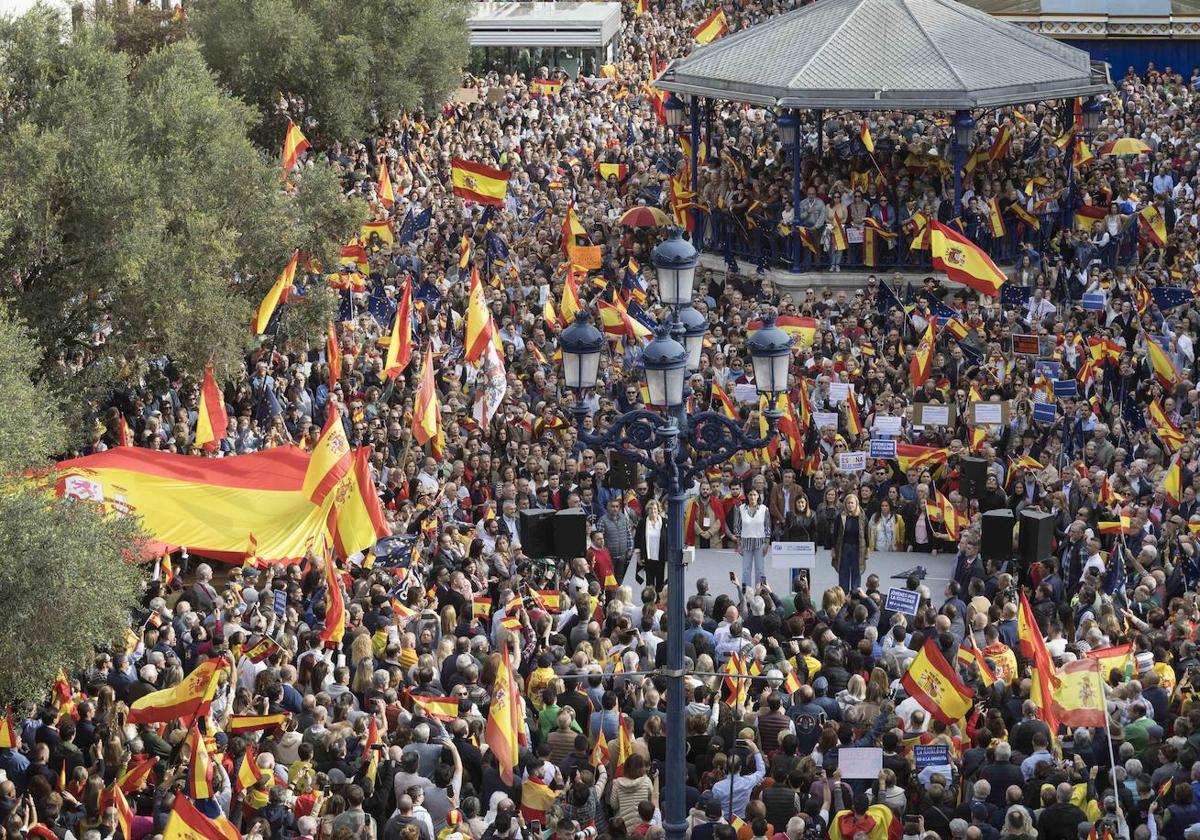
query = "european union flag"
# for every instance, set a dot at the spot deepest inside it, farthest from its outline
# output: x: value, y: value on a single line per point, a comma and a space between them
x: 910, y: 294
x: 489, y: 213
x: 408, y: 230
x: 637, y: 313
x: 886, y: 300
x: 495, y: 246
x: 382, y: 309
x: 423, y: 220
x: 973, y: 355
x: 429, y: 293
x: 537, y: 217
x: 1168, y: 297
x: 1015, y: 296
x: 937, y: 308
x: 345, y: 306
x: 1114, y: 577
x: 630, y: 137
x: 1133, y: 416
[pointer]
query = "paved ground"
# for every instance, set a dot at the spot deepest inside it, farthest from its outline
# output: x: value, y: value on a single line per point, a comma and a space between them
x: 716, y: 565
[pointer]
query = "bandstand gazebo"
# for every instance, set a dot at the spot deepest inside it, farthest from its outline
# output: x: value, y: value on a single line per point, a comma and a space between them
x: 872, y: 55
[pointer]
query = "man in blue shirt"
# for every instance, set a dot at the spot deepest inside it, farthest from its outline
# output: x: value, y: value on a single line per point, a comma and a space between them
x: 743, y: 783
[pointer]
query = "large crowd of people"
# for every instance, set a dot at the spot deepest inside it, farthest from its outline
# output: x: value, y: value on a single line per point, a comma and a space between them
x: 382, y: 736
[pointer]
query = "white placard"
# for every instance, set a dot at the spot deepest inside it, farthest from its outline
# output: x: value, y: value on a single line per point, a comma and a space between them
x: 852, y: 461
x: 745, y: 392
x: 860, y: 762
x: 825, y: 418
x: 936, y: 415
x: 793, y: 555
x: 989, y: 414
x: 887, y: 425
x: 840, y: 391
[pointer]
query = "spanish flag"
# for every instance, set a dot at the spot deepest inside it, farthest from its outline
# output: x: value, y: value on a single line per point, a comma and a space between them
x: 333, y: 355
x: 996, y: 219
x: 260, y: 650
x: 723, y: 400
x: 624, y: 746
x: 400, y: 349
x: 481, y: 607
x: 640, y: 7
x: 427, y: 413
x: 853, y: 421
x: 864, y: 134
x: 963, y: 260
x: 910, y: 456
x: 1028, y: 219
x: 1001, y: 143
x: 545, y: 87
x: 572, y: 229
x: 187, y: 823
x: 256, y: 723
x: 335, y: 605
x: 1122, y: 526
x: 1033, y: 647
x: 277, y: 294
x: 549, y: 315
x: 968, y: 654
x: 1078, y: 694
x: 1088, y: 214
x: 357, y: 520
x: 382, y: 229
x: 791, y: 683
x: 1166, y: 430
x: 613, y: 170
x: 113, y: 795
x: 922, y: 358
x: 802, y: 327
x: 876, y: 823
x: 294, y: 145
x: 504, y: 719
x: 1118, y: 657
x: 480, y: 328
x: 600, y: 753
x: 211, y: 420
x: 1152, y: 222
x: 249, y: 772
x: 1173, y: 482
x: 200, y: 770
x: 1163, y: 367
x: 478, y: 182
x: 441, y: 708
x: 384, y: 190
x: 183, y: 701
x: 712, y: 29
x: 331, y: 459
x: 934, y: 684
x: 133, y: 778
x: 1082, y: 154
x: 536, y: 799
x: 570, y: 303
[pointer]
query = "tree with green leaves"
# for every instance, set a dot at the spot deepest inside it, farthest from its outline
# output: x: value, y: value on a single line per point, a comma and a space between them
x: 342, y: 67
x: 137, y: 218
x: 66, y: 583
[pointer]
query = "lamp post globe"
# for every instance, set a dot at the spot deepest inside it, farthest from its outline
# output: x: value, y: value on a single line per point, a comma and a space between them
x: 581, y: 345
x: 665, y: 361
x: 771, y: 354
x: 675, y: 261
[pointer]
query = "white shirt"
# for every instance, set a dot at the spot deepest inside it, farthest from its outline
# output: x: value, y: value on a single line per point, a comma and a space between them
x: 653, y: 532
x: 754, y: 524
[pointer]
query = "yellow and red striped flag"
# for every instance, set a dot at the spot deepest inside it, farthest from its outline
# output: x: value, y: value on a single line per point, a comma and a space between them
x: 333, y: 355
x: 186, y: 822
x: 255, y: 723
x: 441, y: 708
x: 134, y: 777
x: 963, y: 260
x: 936, y: 687
x: 504, y: 719
x: 330, y: 461
x: 427, y: 412
x: 335, y: 605
x: 211, y: 419
x: 182, y: 701
x: 113, y: 795
x: 1163, y: 367
x: 400, y: 347
x: 277, y: 294
x: 249, y: 773
x: 200, y: 768
x: 478, y: 182
x: 294, y: 145
x: 712, y: 28
x: 384, y: 190
x: 864, y: 134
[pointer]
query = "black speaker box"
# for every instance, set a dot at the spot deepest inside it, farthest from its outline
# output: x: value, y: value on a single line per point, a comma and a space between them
x: 570, y: 534
x: 996, y: 539
x: 1037, y: 535
x: 622, y: 471
x: 537, y: 532
x: 972, y: 476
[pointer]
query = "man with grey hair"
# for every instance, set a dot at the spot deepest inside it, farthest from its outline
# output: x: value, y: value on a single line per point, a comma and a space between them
x: 1002, y: 774
x: 1059, y: 821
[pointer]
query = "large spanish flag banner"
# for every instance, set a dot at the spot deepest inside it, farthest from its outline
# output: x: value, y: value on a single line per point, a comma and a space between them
x: 1077, y: 692
x: 213, y: 505
x: 188, y: 699
x: 963, y: 260
x: 932, y: 682
x: 188, y: 823
x: 479, y: 182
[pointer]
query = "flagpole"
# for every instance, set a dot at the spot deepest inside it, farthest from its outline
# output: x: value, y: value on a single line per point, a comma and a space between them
x: 1112, y: 761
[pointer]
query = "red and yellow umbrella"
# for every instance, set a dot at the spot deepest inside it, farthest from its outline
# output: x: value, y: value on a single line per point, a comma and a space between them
x: 645, y: 217
x: 1124, y: 146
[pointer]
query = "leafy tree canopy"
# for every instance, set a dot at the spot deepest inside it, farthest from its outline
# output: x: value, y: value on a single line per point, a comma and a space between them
x: 346, y: 65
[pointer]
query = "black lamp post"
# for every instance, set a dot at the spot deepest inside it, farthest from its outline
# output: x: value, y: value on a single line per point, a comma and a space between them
x: 690, y: 444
